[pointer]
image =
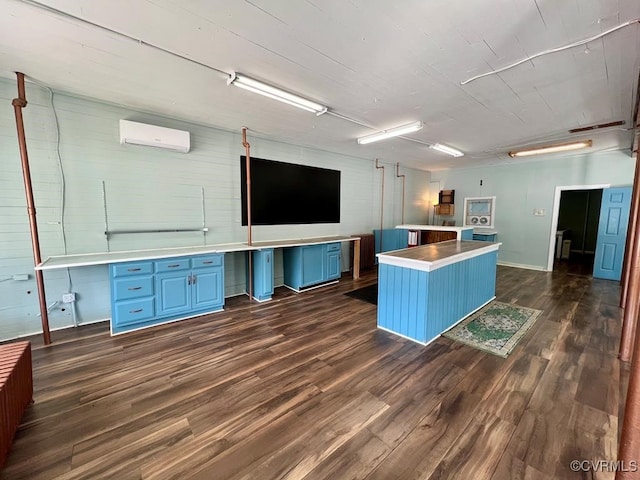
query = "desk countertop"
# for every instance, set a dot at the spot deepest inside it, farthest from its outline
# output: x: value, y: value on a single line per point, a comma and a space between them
x: 436, y: 228
x: 437, y: 255
x: 88, y: 259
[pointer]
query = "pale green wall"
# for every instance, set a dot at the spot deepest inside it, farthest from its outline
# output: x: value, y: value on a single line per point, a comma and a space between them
x: 521, y: 188
x: 148, y: 188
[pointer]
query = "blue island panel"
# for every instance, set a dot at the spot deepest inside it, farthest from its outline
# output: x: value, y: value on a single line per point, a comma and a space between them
x: 421, y: 305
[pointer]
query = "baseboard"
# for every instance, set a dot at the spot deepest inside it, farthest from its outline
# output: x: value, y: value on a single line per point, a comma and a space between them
x: 520, y: 265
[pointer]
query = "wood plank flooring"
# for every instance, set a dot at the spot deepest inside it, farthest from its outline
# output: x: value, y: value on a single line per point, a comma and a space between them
x: 306, y: 387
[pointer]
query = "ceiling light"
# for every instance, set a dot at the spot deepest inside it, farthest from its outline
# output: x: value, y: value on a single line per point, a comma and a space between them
x: 255, y: 86
x: 392, y: 132
x: 551, y: 149
x: 445, y: 149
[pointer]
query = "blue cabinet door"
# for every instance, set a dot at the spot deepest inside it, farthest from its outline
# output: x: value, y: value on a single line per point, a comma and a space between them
x: 262, y: 274
x: 333, y: 265
x: 173, y: 293
x: 313, y: 264
x: 206, y: 288
x: 612, y: 233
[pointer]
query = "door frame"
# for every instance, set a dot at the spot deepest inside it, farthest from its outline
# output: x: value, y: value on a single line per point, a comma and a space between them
x: 556, y: 213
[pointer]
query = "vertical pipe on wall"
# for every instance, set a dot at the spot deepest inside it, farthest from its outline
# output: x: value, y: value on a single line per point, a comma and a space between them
x: 18, y: 104
x: 247, y: 164
x: 631, y: 276
x: 631, y: 235
x: 381, y: 203
x: 403, y: 180
x: 629, y: 447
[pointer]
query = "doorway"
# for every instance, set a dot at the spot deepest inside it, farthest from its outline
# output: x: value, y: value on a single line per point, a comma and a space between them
x: 577, y: 232
x: 574, y: 229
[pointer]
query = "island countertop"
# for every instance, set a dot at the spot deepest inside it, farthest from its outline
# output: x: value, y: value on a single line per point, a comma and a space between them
x: 436, y: 228
x: 437, y: 255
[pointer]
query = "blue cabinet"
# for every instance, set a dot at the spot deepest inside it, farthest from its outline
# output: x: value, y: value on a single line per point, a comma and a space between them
x: 334, y: 261
x: 152, y: 292
x: 485, y: 237
x: 391, y: 239
x: 262, y: 266
x: 309, y: 265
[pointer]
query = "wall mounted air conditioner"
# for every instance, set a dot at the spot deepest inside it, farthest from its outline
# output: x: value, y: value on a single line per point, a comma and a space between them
x: 134, y: 133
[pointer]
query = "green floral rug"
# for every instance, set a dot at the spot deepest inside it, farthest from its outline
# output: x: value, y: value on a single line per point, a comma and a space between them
x: 495, y: 328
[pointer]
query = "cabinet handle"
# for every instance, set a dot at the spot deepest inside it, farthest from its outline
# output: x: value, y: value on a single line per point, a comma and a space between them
x: 136, y: 311
x: 268, y: 258
x: 193, y: 279
x: 208, y: 262
x: 173, y: 265
x: 133, y: 269
x: 189, y: 280
x: 134, y: 288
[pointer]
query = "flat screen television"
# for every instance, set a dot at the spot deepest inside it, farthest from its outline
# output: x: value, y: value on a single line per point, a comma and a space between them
x: 288, y: 194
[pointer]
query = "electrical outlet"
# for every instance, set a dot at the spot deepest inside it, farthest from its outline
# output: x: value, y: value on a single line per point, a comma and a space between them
x: 68, y: 297
x: 539, y: 212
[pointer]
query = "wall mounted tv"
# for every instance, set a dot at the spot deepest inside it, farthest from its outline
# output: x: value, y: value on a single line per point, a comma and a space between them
x: 287, y: 194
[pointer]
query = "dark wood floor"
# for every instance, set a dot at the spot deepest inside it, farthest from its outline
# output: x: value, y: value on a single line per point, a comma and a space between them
x: 305, y: 387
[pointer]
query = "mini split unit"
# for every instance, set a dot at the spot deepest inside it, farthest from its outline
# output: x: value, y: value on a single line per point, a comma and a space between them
x: 134, y: 133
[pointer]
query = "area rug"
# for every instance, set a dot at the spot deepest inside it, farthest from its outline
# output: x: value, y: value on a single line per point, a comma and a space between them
x: 495, y: 328
x: 366, y: 294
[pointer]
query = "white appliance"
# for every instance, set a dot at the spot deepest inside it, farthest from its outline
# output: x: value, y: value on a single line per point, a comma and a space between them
x: 135, y: 133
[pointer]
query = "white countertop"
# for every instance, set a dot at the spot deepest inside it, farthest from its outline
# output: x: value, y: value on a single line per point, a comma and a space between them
x: 436, y: 228
x: 87, y: 259
x: 437, y: 255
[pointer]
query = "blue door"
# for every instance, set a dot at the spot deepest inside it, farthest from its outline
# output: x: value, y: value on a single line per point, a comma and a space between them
x: 612, y: 233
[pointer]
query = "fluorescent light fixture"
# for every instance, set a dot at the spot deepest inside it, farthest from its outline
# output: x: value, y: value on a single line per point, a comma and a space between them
x: 445, y: 149
x: 392, y: 132
x: 260, y: 88
x: 551, y: 149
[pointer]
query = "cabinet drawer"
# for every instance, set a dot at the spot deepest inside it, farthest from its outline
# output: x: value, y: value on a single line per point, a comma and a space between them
x: 172, y: 265
x: 134, y: 311
x: 331, y: 247
x: 135, y: 287
x: 133, y: 268
x: 207, y: 261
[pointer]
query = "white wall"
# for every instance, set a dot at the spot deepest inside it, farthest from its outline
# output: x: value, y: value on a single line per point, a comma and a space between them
x: 521, y: 188
x: 150, y: 189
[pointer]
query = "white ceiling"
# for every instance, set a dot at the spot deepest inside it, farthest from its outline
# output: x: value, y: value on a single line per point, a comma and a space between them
x: 378, y: 62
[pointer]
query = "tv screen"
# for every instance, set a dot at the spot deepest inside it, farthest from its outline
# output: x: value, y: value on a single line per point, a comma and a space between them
x: 286, y: 193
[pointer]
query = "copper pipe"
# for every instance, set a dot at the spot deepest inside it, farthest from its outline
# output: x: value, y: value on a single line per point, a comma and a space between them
x: 629, y: 447
x: 18, y: 104
x: 381, y: 203
x: 403, y: 180
x: 247, y: 163
x: 631, y: 236
x: 631, y: 280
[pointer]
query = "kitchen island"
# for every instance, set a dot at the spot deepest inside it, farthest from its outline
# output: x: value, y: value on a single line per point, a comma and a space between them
x: 424, y: 291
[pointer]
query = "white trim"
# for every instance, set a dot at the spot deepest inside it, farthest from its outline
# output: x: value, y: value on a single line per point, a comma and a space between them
x: 257, y: 299
x: 161, y: 323
x: 522, y: 265
x: 426, y: 266
x: 313, y: 287
x: 556, y: 212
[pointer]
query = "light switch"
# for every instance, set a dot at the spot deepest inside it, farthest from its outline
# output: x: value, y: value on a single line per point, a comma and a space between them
x: 539, y: 212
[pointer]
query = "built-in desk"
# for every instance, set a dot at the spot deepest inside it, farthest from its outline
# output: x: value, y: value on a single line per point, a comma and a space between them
x: 425, y: 290
x: 151, y: 287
